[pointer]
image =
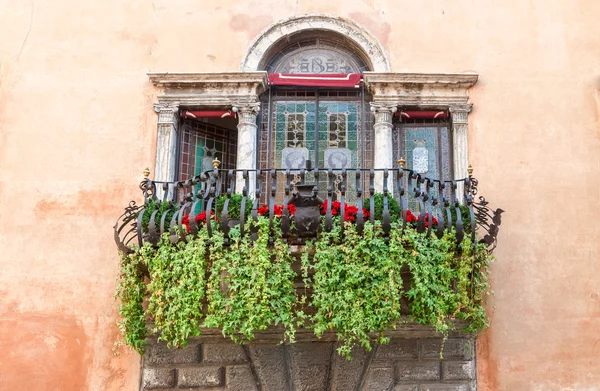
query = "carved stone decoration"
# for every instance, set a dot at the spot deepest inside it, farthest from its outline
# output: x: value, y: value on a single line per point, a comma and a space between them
x: 427, y: 90
x: 211, y: 90
x: 368, y: 44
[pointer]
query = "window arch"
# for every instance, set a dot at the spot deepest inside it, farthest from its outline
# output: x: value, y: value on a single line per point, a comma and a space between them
x: 301, y: 29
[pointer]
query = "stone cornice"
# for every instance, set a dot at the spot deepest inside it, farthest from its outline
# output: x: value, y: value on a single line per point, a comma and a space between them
x: 209, y: 89
x: 420, y: 89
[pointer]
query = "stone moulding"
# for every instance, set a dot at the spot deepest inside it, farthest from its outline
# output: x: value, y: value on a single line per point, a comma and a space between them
x: 420, y: 89
x: 216, y: 89
x: 370, y: 46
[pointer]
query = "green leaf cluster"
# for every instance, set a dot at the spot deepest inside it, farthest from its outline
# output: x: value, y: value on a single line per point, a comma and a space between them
x: 359, y: 282
x: 235, y: 205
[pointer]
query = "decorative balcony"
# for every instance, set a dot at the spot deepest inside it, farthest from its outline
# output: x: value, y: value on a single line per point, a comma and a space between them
x: 312, y: 249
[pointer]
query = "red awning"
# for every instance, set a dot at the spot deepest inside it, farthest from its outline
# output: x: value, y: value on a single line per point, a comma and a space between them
x: 208, y: 113
x: 350, y: 80
x: 422, y: 114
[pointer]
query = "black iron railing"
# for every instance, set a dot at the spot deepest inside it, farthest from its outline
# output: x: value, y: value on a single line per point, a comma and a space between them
x: 437, y: 205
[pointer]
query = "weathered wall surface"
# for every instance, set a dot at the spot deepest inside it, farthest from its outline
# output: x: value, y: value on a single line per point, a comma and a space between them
x: 77, y: 128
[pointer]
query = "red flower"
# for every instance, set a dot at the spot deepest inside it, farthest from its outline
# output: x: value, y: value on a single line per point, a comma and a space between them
x: 351, y: 209
x: 291, y: 209
x: 186, y: 221
x: 277, y: 210
x: 263, y: 210
x: 201, y: 217
x: 410, y: 218
x: 366, y: 213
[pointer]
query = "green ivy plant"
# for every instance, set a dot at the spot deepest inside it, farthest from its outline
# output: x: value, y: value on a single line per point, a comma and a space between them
x: 235, y: 205
x: 251, y: 284
x: 357, y: 285
x: 242, y: 286
x: 131, y: 291
x: 177, y: 287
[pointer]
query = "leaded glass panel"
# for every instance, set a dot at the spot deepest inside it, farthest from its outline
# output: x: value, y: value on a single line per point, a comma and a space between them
x: 426, y: 149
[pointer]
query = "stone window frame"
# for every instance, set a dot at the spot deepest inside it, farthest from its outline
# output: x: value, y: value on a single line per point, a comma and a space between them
x: 241, y: 90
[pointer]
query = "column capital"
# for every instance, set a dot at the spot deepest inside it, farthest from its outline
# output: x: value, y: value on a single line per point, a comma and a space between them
x: 166, y: 106
x: 167, y: 113
x: 459, y: 113
x: 247, y: 107
x: 383, y: 108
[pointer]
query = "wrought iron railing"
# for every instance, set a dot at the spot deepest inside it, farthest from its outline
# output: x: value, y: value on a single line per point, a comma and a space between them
x: 440, y: 205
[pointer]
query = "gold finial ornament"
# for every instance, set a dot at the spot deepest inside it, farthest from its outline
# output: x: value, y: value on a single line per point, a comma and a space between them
x: 146, y: 173
x: 401, y: 162
x: 470, y: 170
x: 216, y: 163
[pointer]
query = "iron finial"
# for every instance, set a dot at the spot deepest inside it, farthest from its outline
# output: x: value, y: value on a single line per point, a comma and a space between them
x: 146, y: 173
x: 401, y: 162
x: 470, y: 170
x: 216, y: 163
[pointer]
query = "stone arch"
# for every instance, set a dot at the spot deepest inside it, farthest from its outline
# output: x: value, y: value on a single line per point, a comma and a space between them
x: 357, y: 38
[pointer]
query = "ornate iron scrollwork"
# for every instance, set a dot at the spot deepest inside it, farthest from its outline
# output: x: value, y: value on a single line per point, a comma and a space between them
x: 432, y: 197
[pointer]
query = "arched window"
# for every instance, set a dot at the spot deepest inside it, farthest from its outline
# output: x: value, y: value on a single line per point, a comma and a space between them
x: 326, y: 125
x: 317, y: 56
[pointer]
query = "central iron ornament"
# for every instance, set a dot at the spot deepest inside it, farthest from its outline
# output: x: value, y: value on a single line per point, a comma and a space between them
x: 305, y: 197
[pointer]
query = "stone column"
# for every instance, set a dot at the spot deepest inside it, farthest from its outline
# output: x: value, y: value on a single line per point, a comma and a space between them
x: 461, y: 143
x: 166, y: 145
x: 247, y: 141
x: 383, y: 156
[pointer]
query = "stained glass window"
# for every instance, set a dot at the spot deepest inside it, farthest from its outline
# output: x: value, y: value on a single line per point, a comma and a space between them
x: 316, y: 56
x: 337, y: 130
x: 425, y: 145
x: 296, y: 129
x: 202, y: 142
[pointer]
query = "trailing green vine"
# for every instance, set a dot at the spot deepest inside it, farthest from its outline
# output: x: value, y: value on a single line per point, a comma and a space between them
x: 177, y: 288
x: 357, y: 285
x: 251, y: 284
x: 242, y: 286
x: 131, y: 290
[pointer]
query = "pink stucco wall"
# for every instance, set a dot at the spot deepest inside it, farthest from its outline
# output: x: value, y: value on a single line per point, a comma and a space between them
x: 77, y: 128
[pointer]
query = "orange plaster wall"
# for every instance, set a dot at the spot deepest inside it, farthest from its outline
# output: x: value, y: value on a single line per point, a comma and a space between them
x: 77, y: 128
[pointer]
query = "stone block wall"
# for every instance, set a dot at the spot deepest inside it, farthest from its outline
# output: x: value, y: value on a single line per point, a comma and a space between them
x: 403, y: 365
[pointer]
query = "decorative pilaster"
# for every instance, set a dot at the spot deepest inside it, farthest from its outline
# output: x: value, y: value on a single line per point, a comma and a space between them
x: 247, y: 142
x: 460, y: 134
x: 166, y: 144
x: 383, y: 156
